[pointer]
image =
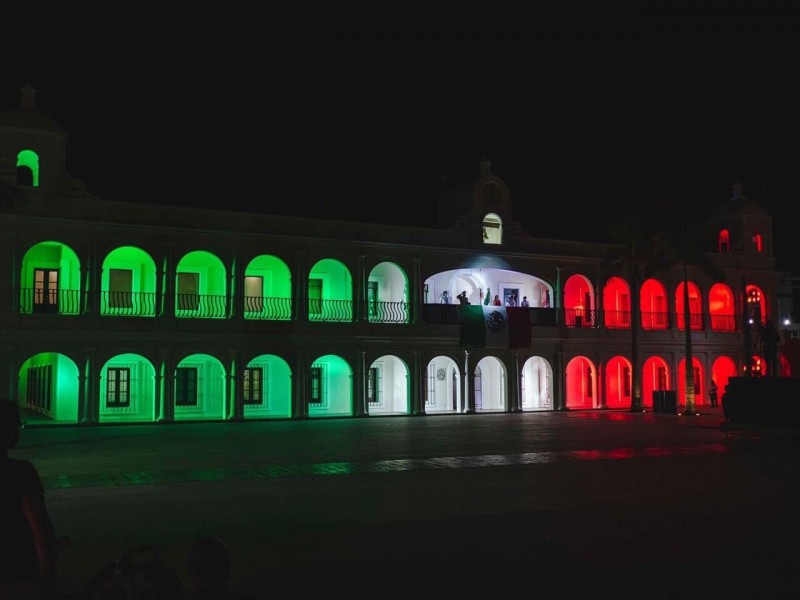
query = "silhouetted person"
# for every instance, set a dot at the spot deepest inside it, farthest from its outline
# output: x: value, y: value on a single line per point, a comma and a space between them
x: 208, y: 567
x: 28, y: 545
x: 462, y: 298
x: 712, y: 393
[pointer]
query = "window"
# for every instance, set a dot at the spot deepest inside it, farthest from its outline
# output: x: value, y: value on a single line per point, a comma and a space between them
x: 118, y: 387
x: 374, y: 387
x: 724, y: 241
x: 120, y: 288
x: 186, y: 386
x: 253, y: 294
x: 315, y: 380
x: 45, y: 290
x: 188, y: 291
x: 253, y: 378
x: 40, y: 395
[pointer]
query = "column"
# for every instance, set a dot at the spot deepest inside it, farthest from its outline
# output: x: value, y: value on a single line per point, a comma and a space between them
x: 235, y: 401
x: 417, y: 385
x: 515, y: 386
x: 469, y: 386
x: 416, y: 298
x: 360, y: 408
x: 300, y: 387
x: 168, y: 369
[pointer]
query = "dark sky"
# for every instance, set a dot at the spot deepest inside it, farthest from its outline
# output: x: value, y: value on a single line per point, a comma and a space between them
x: 364, y: 117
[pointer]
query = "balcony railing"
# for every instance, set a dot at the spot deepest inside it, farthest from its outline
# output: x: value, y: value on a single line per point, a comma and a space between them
x: 331, y: 311
x: 62, y: 302
x: 267, y: 309
x: 580, y: 317
x: 200, y: 306
x: 655, y: 320
x: 695, y: 321
x: 128, y: 304
x: 723, y: 322
x: 617, y: 319
x: 387, y: 312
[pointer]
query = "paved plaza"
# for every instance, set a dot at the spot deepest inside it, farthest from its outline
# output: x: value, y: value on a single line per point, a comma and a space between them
x: 567, y: 503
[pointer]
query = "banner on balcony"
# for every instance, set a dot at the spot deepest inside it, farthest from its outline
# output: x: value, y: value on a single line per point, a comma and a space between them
x: 494, y: 327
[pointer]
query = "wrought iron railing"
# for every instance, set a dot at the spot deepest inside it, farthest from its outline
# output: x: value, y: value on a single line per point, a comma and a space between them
x: 387, y: 312
x: 200, y: 306
x: 655, y: 320
x: 695, y: 321
x: 617, y: 319
x: 128, y: 304
x: 331, y: 311
x: 267, y: 309
x: 580, y: 317
x: 723, y: 322
x: 440, y: 314
x: 60, y: 301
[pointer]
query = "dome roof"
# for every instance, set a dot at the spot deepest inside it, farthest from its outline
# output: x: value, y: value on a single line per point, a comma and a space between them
x: 27, y: 116
x: 739, y: 204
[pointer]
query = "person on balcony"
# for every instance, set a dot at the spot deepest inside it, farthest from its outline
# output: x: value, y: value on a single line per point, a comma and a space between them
x: 496, y: 301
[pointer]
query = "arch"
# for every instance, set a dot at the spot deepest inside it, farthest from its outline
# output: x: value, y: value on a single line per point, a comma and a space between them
x: 618, y: 383
x: 330, y: 392
x: 267, y: 388
x: 492, y: 229
x: 490, y: 385
x: 201, y: 286
x: 388, y: 386
x: 199, y: 388
x: 581, y: 384
x: 387, y: 294
x: 756, y: 305
x: 724, y: 241
x: 721, y: 308
x: 695, y: 306
x: 617, y: 303
x: 49, y: 389
x: 656, y: 377
x: 536, y: 384
x: 330, y: 291
x: 483, y: 283
x: 128, y: 283
x: 50, y: 279
x: 722, y: 369
x: 655, y: 313
x: 127, y: 390
x: 443, y: 383
x: 28, y: 168
x: 578, y: 302
x: 267, y: 289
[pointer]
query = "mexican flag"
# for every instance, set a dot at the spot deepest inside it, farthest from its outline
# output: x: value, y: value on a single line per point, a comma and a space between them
x: 494, y: 327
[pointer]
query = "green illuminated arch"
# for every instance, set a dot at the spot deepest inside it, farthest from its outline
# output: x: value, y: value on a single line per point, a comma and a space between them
x: 267, y: 289
x: 201, y: 286
x: 275, y: 386
x: 50, y: 280
x: 49, y: 385
x: 335, y: 387
x: 28, y: 159
x: 128, y: 283
x: 199, y: 391
x: 127, y: 390
x: 330, y: 292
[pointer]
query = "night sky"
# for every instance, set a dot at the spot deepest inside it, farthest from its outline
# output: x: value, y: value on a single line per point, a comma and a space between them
x: 358, y: 117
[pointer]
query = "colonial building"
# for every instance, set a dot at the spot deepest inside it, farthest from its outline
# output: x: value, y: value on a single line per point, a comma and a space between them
x: 116, y: 312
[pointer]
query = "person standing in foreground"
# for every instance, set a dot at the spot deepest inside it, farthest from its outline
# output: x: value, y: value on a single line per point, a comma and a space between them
x: 712, y: 393
x: 28, y: 547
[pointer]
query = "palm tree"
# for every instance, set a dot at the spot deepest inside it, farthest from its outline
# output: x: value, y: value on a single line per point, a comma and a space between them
x: 690, y: 247
x: 638, y: 250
